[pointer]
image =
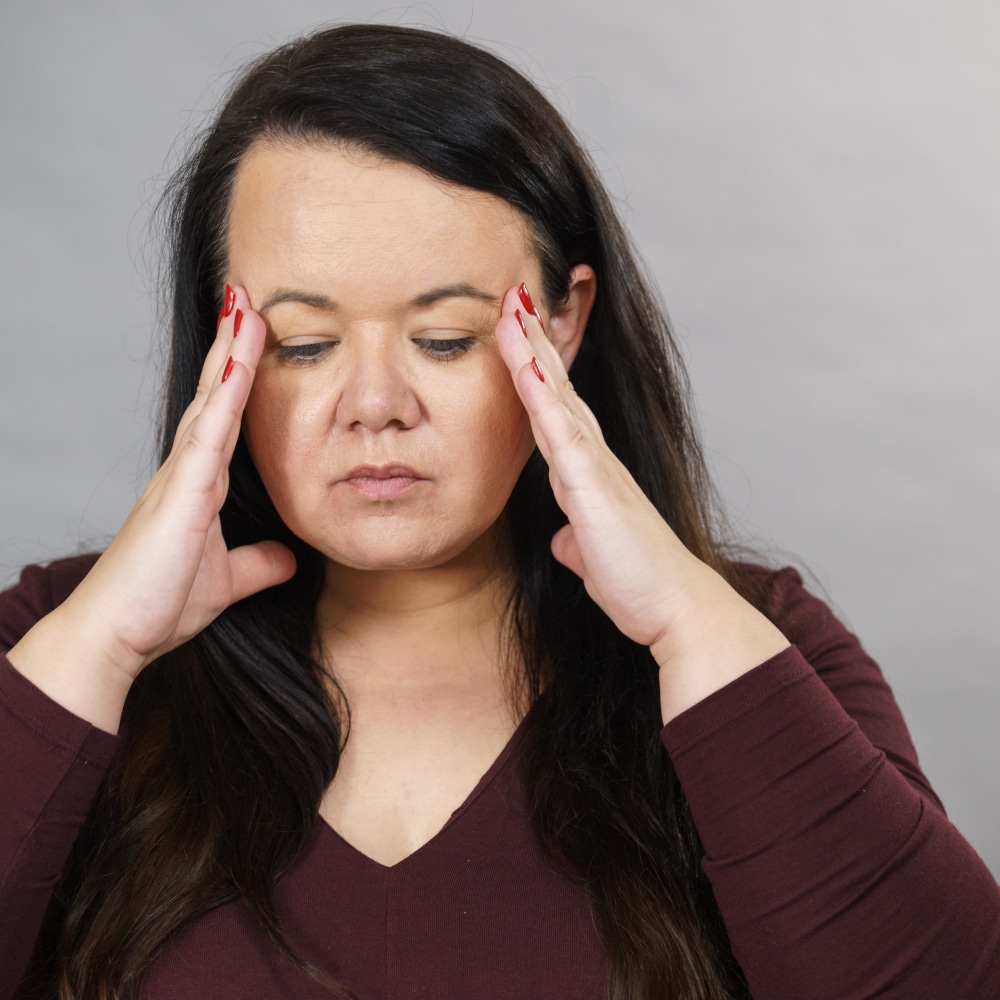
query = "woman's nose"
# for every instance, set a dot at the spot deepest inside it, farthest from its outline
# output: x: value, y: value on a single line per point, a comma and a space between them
x: 378, y: 392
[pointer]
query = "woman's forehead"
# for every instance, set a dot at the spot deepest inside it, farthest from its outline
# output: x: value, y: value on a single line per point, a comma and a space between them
x: 347, y: 224
x: 307, y: 197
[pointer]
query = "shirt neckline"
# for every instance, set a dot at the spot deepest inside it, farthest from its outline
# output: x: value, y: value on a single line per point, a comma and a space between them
x: 326, y: 831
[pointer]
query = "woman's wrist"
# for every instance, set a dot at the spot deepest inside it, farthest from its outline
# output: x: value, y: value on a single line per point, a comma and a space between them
x: 717, y: 639
x: 63, y: 660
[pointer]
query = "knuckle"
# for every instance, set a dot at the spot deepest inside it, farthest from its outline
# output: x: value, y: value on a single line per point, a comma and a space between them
x: 576, y: 438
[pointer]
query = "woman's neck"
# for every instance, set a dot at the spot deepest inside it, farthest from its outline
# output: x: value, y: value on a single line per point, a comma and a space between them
x: 418, y: 655
x: 430, y: 632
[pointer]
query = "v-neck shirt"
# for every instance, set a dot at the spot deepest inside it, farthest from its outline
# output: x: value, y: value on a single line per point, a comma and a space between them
x: 835, y: 869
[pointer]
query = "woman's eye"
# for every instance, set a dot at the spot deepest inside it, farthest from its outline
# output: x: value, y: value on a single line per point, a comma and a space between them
x: 304, y: 354
x: 445, y: 349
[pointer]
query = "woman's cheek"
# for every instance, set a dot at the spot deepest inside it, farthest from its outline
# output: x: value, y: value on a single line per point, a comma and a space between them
x: 270, y: 426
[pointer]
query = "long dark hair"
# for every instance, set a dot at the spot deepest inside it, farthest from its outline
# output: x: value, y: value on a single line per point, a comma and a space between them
x: 233, y: 738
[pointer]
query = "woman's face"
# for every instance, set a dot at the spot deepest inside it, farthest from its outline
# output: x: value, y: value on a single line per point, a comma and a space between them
x: 382, y: 419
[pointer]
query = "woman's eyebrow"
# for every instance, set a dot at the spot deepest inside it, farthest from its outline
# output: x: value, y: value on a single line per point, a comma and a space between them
x: 311, y: 299
x: 462, y: 290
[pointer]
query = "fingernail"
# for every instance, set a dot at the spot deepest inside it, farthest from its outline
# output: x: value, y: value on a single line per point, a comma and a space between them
x: 534, y: 368
x: 538, y: 316
x: 522, y: 294
x: 520, y: 319
x: 229, y: 368
x: 228, y: 300
x: 236, y: 321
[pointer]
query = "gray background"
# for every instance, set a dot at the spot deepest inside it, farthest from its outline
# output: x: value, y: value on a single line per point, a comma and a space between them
x: 813, y: 184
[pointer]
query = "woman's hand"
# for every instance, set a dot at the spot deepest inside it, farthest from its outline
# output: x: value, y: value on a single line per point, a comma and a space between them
x: 701, y: 632
x: 167, y: 573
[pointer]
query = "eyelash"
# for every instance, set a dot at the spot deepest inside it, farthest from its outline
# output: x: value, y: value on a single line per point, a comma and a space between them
x: 445, y: 350
x: 303, y: 354
x: 440, y: 350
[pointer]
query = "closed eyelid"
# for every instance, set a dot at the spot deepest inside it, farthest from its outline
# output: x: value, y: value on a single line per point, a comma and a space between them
x: 445, y: 347
x: 304, y: 353
x: 438, y: 348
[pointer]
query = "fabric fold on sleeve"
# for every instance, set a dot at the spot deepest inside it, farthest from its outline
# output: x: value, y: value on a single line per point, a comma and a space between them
x: 52, y: 764
x: 51, y: 767
x: 836, y: 876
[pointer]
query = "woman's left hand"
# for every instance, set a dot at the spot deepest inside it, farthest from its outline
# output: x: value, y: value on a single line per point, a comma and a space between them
x: 701, y: 632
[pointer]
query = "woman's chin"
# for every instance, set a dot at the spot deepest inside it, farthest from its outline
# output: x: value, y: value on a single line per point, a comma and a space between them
x: 402, y: 552
x: 394, y: 558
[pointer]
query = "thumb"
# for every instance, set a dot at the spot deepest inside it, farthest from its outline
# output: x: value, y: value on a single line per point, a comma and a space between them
x: 566, y: 551
x: 259, y: 566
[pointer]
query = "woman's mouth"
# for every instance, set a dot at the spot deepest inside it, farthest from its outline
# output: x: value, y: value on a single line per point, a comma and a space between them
x: 383, y: 482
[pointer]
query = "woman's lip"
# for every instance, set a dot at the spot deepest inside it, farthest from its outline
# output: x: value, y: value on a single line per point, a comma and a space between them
x: 392, y: 470
x: 382, y: 482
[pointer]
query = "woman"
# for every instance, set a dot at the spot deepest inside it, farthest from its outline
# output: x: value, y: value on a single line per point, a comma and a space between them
x: 390, y: 638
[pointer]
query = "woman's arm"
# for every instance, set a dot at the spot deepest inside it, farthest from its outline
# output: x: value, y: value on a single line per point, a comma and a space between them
x: 168, y: 572
x: 70, y: 664
x: 51, y: 765
x: 701, y: 632
x: 836, y: 871
x: 834, y: 866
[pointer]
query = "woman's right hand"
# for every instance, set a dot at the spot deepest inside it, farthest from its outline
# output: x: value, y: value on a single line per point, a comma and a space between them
x: 167, y: 573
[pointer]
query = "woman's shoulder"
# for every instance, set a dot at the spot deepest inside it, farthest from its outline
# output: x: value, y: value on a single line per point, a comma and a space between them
x: 39, y: 590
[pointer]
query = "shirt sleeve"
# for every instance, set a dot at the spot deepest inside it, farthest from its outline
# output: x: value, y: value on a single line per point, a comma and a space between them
x: 51, y: 767
x: 835, y: 868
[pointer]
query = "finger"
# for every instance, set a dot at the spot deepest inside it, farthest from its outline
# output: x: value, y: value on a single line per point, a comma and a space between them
x: 533, y: 327
x: 235, y: 304
x: 520, y: 333
x: 522, y: 339
x: 194, y: 479
x: 244, y: 349
x: 552, y: 424
x: 564, y: 427
x: 573, y: 448
x: 230, y: 325
x: 202, y: 457
x: 551, y: 360
x: 259, y: 566
x: 248, y: 353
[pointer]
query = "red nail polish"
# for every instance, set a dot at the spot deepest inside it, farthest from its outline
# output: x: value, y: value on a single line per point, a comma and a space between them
x: 537, y: 370
x: 229, y: 369
x: 218, y: 320
x: 538, y: 316
x: 228, y: 301
x: 520, y: 319
x: 522, y: 294
x: 237, y: 320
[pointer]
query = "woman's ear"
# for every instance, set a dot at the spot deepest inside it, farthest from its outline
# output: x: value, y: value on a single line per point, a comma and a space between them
x: 567, y: 323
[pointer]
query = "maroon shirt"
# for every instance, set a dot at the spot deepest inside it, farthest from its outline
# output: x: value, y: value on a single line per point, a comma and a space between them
x: 835, y: 869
